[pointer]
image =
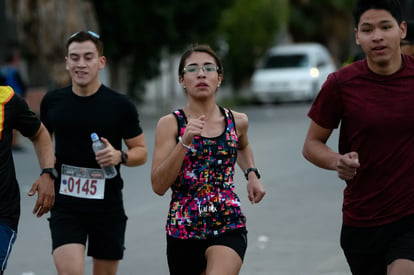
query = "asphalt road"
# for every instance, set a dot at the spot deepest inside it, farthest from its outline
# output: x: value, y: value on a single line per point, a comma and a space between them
x: 293, y: 231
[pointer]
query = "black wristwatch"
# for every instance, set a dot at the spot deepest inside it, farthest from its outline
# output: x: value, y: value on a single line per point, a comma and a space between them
x: 51, y: 171
x: 248, y: 170
x: 124, y: 157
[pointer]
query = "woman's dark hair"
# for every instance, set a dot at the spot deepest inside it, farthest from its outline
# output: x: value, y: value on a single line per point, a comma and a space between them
x: 202, y: 49
x: 392, y: 6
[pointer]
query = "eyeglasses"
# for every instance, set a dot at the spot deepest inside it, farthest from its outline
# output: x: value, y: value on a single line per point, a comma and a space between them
x: 207, y: 68
x: 91, y: 33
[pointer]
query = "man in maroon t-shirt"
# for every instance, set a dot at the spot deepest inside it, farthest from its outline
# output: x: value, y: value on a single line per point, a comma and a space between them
x: 372, y: 101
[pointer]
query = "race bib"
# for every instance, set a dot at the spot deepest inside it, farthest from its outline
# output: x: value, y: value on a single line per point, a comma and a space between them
x: 87, y: 183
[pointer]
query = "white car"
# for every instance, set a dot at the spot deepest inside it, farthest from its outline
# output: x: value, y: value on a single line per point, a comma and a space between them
x: 293, y: 72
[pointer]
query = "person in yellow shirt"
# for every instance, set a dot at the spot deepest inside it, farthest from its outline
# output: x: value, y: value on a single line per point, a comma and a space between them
x: 16, y: 114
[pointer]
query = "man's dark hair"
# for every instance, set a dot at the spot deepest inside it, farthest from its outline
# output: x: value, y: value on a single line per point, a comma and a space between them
x: 83, y: 36
x: 392, y: 6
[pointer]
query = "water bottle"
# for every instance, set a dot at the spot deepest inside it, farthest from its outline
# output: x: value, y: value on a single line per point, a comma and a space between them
x: 97, y: 144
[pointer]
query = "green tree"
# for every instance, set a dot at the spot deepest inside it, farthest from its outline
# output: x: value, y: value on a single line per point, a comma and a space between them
x: 42, y: 31
x: 328, y: 22
x: 137, y: 34
x: 249, y: 28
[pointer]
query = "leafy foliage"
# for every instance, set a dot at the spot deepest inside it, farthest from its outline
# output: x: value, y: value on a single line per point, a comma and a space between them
x: 138, y: 34
x: 141, y: 31
x: 249, y: 28
x: 328, y: 22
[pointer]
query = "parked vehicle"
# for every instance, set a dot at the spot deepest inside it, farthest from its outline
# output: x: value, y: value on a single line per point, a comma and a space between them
x: 291, y: 73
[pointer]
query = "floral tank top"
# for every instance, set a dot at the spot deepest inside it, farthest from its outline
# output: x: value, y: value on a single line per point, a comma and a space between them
x: 203, y: 203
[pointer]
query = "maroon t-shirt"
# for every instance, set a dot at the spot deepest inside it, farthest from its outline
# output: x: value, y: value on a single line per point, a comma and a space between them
x: 376, y: 118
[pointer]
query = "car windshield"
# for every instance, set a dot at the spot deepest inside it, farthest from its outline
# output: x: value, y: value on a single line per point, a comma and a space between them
x: 286, y: 61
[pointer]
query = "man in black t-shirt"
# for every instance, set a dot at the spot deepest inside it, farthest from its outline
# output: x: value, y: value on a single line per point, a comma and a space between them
x: 89, y: 208
x: 16, y: 114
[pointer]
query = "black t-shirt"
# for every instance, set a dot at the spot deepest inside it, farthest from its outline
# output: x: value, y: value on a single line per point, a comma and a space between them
x: 71, y: 119
x: 14, y: 114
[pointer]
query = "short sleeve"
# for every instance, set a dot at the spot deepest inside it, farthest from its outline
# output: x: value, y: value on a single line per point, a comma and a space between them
x: 327, y: 109
x: 26, y: 121
x: 132, y: 127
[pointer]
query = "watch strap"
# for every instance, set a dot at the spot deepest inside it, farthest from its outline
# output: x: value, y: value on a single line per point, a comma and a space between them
x: 51, y: 171
x: 252, y: 169
x: 124, y: 157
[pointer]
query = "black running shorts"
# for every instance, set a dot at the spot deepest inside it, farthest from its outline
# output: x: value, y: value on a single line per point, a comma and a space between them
x: 104, y: 232
x: 370, y: 250
x: 187, y: 256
